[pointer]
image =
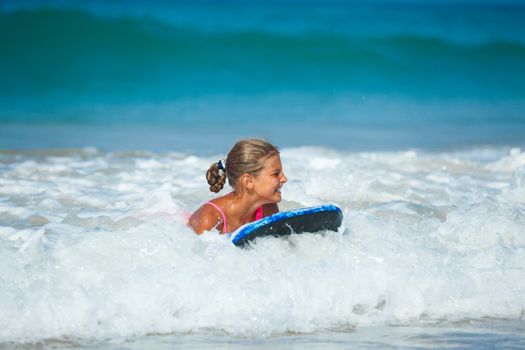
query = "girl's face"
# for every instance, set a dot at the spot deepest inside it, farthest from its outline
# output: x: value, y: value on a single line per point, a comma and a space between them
x: 268, y: 182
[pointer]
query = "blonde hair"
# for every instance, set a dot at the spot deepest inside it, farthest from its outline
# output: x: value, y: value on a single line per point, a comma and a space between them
x: 246, y: 157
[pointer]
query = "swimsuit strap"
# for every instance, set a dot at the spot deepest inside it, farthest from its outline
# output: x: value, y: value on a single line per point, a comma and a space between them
x: 259, y: 213
x: 222, y: 214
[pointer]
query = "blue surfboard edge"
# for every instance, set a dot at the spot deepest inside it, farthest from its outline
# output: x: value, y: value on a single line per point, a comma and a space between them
x: 247, y: 229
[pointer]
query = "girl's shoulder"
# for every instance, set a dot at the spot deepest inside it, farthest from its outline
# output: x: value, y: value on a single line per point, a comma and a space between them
x: 206, y: 217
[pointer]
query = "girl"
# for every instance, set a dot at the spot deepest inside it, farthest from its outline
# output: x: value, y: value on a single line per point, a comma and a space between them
x: 253, y: 168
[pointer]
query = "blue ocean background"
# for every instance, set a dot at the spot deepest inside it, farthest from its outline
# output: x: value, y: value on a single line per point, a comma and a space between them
x: 193, y: 76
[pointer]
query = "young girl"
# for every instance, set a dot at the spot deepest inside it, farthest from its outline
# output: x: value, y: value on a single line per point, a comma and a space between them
x: 253, y: 168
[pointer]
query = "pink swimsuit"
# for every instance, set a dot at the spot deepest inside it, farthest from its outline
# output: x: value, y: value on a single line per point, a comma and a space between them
x: 258, y: 215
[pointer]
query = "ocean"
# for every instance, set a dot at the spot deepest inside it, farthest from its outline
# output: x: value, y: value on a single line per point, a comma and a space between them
x: 410, y: 116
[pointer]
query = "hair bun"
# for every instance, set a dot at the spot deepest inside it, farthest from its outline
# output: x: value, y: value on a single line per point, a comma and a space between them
x: 215, y: 179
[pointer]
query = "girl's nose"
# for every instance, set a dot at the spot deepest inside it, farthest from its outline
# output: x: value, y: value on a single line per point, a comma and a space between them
x: 284, y: 179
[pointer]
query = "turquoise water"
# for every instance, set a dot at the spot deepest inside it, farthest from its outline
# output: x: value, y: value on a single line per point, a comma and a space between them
x: 384, y: 75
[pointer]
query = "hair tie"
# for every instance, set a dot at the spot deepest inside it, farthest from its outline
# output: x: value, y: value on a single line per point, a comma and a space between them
x: 221, y: 166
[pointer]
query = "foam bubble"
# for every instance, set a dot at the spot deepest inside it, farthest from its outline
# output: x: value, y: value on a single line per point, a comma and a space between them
x: 105, y: 251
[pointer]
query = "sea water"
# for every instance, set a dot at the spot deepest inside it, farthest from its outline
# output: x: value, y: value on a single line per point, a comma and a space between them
x: 94, y: 249
x: 408, y: 116
x: 192, y: 76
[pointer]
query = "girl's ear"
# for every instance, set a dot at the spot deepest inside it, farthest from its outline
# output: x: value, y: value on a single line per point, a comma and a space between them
x: 247, y: 181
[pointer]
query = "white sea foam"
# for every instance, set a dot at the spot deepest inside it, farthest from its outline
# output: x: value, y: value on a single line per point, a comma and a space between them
x: 94, y: 245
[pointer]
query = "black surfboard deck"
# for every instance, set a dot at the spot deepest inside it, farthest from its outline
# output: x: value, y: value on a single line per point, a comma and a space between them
x: 312, y: 219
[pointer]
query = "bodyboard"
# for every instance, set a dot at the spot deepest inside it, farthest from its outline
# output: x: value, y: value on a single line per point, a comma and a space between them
x: 312, y: 219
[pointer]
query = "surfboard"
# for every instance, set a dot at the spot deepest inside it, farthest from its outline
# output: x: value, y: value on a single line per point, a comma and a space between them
x: 312, y: 219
